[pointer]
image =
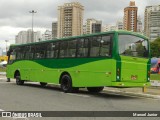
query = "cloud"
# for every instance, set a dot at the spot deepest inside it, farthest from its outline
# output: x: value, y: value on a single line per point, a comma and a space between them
x: 15, y: 16
x: 15, y: 13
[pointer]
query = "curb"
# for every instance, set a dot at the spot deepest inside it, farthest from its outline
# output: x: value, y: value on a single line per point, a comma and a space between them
x: 132, y: 94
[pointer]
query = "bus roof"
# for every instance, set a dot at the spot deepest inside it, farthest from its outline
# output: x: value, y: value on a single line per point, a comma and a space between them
x: 85, y: 35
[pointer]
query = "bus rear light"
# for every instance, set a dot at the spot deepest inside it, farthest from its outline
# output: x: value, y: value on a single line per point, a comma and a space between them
x: 118, y: 72
x: 149, y: 73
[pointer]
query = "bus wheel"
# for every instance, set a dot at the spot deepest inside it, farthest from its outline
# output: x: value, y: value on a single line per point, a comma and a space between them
x: 19, y: 81
x: 43, y: 84
x: 66, y: 83
x: 95, y: 89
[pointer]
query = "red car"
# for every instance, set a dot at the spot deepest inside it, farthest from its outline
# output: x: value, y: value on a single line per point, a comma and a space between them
x: 155, y: 65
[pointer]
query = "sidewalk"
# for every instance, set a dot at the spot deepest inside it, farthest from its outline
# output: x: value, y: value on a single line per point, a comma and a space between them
x: 150, y: 92
x: 2, y: 73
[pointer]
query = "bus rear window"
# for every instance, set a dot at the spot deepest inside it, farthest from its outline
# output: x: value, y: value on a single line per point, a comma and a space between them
x: 130, y: 45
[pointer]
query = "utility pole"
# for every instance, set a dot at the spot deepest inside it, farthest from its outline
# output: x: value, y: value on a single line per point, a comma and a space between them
x: 32, y: 23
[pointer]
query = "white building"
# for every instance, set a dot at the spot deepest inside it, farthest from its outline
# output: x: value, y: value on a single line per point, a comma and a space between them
x: 84, y: 29
x: 119, y: 25
x: 109, y: 27
x: 29, y: 36
x: 152, y: 22
x: 139, y: 25
x: 26, y: 37
x: 47, y: 35
x: 37, y: 36
x: 21, y: 37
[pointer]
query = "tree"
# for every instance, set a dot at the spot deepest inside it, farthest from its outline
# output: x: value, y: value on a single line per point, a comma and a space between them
x: 155, y: 48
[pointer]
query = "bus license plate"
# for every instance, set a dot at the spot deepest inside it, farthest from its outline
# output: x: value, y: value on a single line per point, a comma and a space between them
x: 133, y: 77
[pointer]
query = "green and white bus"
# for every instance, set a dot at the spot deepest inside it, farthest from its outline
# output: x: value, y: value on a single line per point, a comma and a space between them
x: 113, y: 59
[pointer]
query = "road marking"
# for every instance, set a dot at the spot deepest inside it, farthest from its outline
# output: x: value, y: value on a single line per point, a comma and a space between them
x: 1, y: 110
x: 75, y: 94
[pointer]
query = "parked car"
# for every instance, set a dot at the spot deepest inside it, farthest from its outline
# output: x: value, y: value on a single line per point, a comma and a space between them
x: 155, y: 65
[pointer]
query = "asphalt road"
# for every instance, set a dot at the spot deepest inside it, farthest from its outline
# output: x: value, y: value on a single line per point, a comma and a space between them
x: 33, y: 97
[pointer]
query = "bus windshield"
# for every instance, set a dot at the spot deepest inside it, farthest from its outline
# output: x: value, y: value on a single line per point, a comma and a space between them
x: 130, y: 45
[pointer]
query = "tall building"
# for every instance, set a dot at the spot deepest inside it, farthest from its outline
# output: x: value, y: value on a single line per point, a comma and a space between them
x: 54, y: 30
x: 26, y: 37
x: 93, y: 26
x: 130, y: 17
x: 37, y: 36
x: 84, y: 29
x: 152, y: 22
x: 139, y: 25
x: 70, y: 19
x: 47, y: 35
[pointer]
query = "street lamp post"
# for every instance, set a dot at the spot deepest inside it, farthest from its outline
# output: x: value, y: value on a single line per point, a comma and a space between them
x: 6, y: 46
x: 32, y: 21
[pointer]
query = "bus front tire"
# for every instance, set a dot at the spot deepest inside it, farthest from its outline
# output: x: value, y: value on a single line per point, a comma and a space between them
x: 66, y: 84
x: 95, y: 89
x: 43, y: 84
x: 19, y: 81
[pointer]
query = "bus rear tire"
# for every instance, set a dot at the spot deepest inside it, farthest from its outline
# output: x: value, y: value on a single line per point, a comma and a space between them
x: 66, y: 84
x: 19, y: 81
x: 43, y: 84
x: 95, y: 89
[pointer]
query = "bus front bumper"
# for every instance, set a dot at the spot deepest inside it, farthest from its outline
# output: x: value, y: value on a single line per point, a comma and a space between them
x: 130, y: 84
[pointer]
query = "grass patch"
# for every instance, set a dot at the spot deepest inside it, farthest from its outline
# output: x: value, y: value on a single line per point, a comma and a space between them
x: 155, y: 77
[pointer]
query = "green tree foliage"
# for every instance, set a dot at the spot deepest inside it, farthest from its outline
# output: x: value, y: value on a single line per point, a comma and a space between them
x: 155, y: 48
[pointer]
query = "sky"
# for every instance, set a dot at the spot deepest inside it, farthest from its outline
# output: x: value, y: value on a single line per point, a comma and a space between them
x: 15, y: 16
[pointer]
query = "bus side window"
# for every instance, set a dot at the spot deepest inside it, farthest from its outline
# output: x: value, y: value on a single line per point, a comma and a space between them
x: 105, y: 47
x: 82, y: 48
x: 40, y: 51
x: 95, y: 46
x: 52, y: 50
x: 63, y: 49
x: 19, y: 53
x: 29, y: 52
x: 71, y: 51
